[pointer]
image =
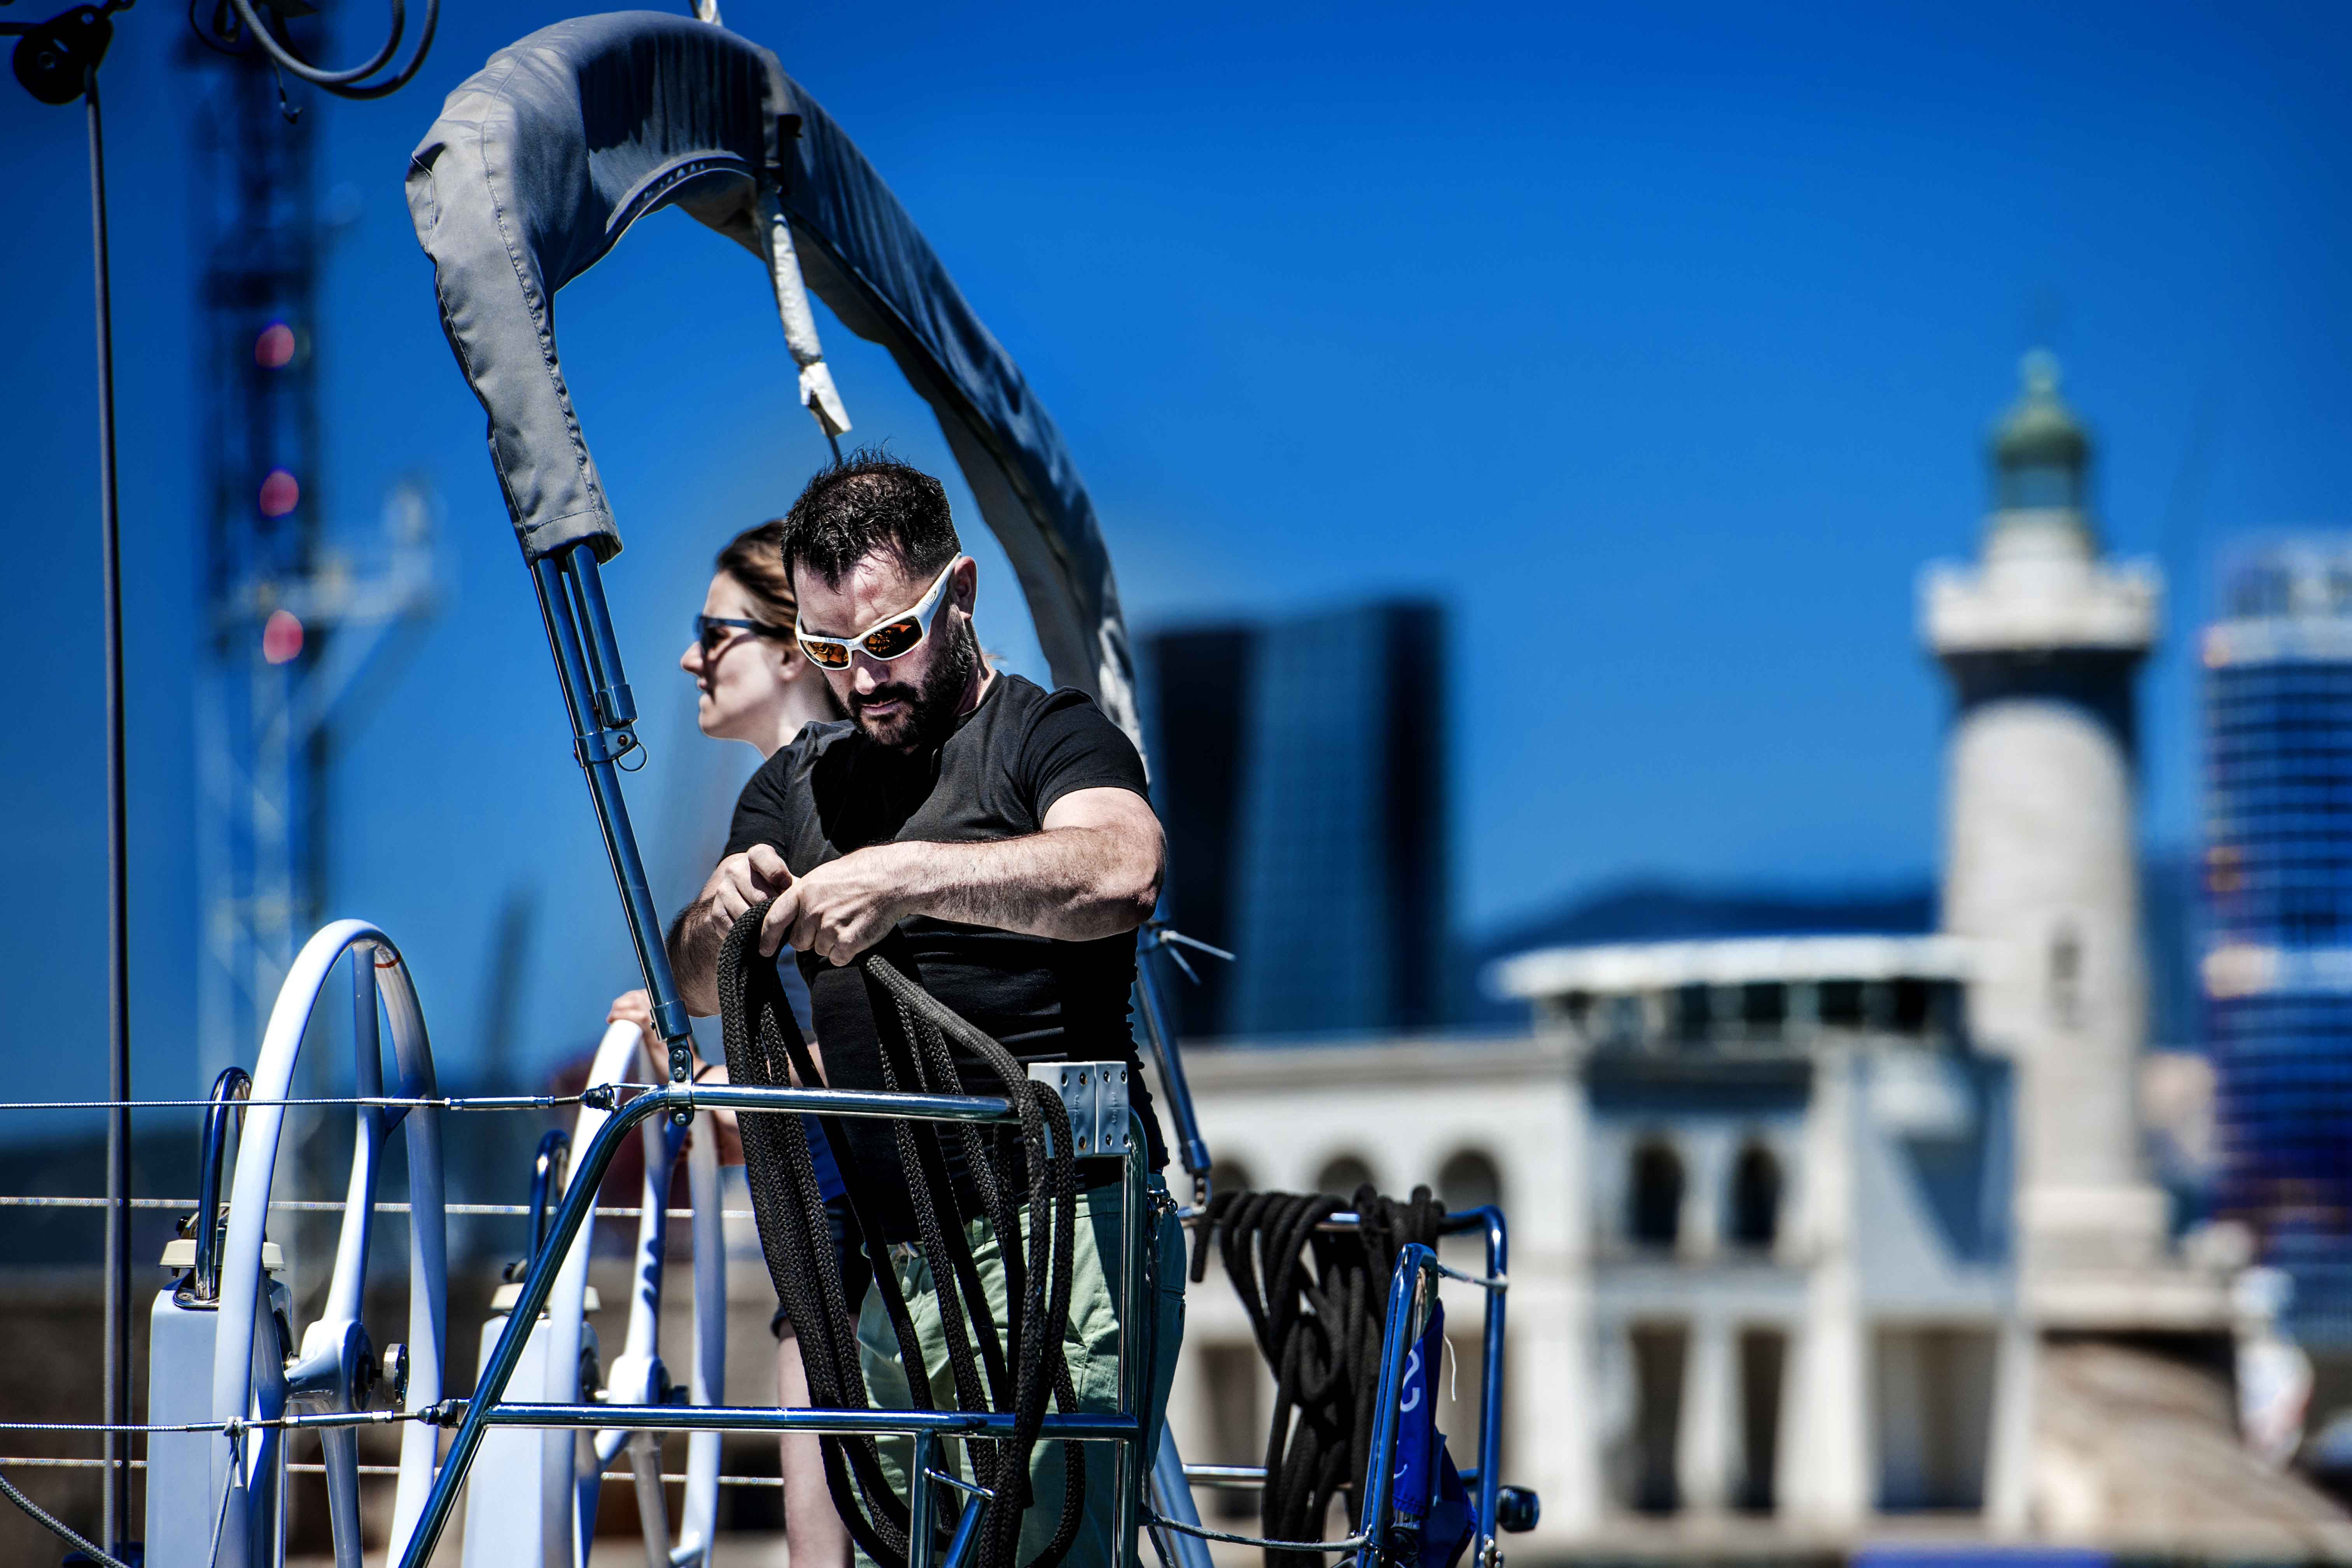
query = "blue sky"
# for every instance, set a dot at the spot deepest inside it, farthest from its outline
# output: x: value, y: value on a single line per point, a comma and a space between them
x: 1660, y: 344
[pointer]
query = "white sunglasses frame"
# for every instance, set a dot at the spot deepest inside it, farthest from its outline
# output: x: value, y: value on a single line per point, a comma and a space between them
x: 924, y: 612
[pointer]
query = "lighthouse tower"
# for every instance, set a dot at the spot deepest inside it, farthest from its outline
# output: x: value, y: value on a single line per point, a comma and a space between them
x: 2041, y: 638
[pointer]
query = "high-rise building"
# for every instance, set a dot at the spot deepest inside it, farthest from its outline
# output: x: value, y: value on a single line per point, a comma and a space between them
x: 1301, y: 774
x: 1194, y: 682
x: 2278, y: 875
x: 2043, y: 638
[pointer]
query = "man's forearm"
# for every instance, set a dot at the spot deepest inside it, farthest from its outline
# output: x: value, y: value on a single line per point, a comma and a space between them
x: 694, y: 946
x: 1072, y: 884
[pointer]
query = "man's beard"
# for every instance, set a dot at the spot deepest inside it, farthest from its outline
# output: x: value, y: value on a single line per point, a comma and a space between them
x: 929, y: 711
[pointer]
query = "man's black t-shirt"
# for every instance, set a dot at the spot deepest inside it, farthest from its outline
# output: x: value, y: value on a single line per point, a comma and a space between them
x: 832, y: 791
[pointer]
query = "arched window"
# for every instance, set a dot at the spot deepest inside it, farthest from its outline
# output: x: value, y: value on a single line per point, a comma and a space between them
x: 1755, y: 1198
x: 1468, y: 1180
x: 1342, y: 1174
x: 1655, y: 1212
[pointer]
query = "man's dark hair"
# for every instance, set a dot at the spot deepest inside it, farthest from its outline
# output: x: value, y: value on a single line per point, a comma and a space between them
x: 867, y: 502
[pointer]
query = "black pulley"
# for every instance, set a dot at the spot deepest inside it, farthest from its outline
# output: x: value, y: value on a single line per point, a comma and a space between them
x: 54, y: 58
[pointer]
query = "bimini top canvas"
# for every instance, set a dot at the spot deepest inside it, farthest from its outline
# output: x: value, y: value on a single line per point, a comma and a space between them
x: 542, y: 159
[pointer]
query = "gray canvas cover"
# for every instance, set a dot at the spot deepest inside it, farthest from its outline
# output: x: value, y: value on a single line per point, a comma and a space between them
x: 541, y: 159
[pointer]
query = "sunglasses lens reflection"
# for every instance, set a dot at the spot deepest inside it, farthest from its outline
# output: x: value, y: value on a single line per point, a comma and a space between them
x: 890, y: 641
x: 830, y: 655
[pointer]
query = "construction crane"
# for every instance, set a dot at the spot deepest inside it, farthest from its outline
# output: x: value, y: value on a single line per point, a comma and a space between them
x: 290, y: 617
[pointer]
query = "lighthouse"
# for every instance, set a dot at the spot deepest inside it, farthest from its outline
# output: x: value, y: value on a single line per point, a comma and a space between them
x: 2042, y: 637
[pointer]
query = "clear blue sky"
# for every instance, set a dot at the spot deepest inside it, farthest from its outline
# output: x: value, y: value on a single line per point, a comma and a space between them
x: 1659, y: 342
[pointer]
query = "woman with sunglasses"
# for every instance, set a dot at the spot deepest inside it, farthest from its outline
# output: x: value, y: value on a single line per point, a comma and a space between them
x: 757, y: 686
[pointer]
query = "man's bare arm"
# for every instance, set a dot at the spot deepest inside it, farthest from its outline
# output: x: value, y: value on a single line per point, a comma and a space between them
x: 701, y: 930
x: 1093, y: 871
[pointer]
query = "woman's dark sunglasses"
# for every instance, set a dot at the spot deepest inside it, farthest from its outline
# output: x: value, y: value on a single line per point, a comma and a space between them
x: 711, y: 633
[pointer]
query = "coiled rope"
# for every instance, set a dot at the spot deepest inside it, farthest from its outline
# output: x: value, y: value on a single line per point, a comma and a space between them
x: 1316, y: 1301
x: 1018, y: 1368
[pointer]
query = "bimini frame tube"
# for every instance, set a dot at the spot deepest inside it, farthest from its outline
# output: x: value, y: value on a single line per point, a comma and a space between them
x: 1412, y: 1299
x: 1160, y: 1033
x: 570, y: 593
x: 1490, y: 1397
x: 1413, y: 1293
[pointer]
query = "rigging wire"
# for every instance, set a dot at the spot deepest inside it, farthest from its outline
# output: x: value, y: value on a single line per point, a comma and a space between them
x: 234, y: 1431
x: 304, y: 1467
x: 606, y: 1094
x: 433, y: 1413
x: 115, y: 1501
x: 65, y: 1532
x: 337, y: 1205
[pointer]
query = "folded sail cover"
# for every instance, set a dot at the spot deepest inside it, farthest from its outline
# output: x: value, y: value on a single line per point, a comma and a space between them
x: 542, y: 159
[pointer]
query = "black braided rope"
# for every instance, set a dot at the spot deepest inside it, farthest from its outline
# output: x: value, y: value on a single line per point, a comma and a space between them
x: 764, y: 1049
x: 1318, y: 1305
x: 1043, y: 1282
x: 58, y: 1527
x: 1020, y: 1365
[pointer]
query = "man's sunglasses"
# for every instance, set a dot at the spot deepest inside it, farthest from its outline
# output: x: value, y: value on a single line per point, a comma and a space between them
x: 712, y: 633
x: 894, y: 637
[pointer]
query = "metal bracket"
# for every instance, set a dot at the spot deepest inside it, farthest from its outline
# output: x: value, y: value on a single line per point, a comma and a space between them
x: 605, y: 745
x: 1094, y: 1094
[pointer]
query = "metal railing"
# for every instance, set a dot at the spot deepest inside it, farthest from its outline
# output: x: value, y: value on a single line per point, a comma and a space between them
x: 489, y: 1408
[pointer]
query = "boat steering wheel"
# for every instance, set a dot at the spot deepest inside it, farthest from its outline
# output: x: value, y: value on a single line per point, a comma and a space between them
x: 261, y: 1369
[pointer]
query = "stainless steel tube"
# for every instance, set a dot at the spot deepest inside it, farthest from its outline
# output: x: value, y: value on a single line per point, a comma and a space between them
x: 1412, y: 1289
x: 1086, y: 1426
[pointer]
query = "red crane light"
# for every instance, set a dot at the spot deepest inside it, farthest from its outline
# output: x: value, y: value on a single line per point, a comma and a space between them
x: 274, y: 349
x: 279, y: 493
x: 281, y: 637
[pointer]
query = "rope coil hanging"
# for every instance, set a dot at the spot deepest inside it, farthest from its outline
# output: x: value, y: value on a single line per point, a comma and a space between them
x: 1316, y: 1303
x: 1016, y: 1366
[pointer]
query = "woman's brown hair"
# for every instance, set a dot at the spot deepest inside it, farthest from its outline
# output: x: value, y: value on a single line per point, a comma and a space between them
x: 755, y: 558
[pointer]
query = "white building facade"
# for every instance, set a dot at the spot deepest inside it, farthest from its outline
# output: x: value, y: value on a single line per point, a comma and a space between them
x: 1759, y: 1253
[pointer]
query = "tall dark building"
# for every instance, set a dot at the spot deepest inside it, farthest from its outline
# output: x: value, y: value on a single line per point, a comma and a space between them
x: 1195, y: 681
x: 1301, y: 771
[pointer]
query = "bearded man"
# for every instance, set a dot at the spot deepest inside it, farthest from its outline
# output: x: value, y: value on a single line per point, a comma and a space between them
x: 999, y: 839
